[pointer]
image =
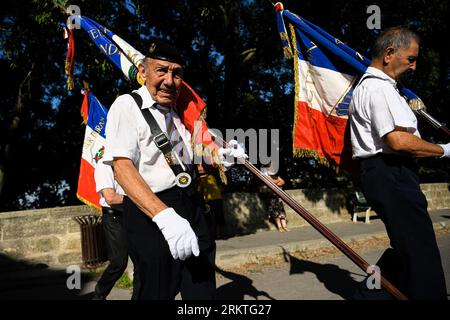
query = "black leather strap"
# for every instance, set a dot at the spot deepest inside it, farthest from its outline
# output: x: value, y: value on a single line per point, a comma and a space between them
x: 160, y: 138
x: 367, y: 77
x: 397, y: 87
x: 112, y: 211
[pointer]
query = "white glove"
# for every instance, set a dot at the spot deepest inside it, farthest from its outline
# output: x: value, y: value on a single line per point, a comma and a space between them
x: 178, y: 233
x: 446, y: 148
x: 234, y: 150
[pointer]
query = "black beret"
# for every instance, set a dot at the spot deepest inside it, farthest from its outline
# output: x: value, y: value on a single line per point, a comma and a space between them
x: 161, y: 50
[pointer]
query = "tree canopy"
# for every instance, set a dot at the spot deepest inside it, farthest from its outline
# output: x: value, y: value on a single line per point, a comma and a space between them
x: 234, y: 60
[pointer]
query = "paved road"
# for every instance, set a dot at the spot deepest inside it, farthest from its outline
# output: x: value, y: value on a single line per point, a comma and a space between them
x: 328, y: 278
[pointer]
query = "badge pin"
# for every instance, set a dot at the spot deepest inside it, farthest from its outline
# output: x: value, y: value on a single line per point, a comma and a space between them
x: 183, y: 180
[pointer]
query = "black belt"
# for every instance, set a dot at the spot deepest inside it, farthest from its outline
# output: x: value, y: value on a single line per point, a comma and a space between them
x: 189, y: 191
x: 107, y: 210
x: 391, y: 159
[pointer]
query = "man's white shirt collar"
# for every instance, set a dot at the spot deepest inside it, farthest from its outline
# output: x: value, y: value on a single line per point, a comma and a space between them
x: 381, y: 75
x: 149, y: 103
x: 147, y: 100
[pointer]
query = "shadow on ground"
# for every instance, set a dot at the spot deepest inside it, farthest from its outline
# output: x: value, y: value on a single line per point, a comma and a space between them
x: 26, y: 281
x: 335, y: 279
x: 239, y: 287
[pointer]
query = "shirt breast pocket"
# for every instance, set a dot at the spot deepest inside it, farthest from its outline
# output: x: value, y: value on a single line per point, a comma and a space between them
x: 148, y: 149
x: 153, y: 152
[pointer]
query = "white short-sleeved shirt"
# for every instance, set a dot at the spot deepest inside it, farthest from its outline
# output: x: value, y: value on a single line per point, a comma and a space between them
x: 376, y: 109
x: 128, y: 135
x: 104, y: 178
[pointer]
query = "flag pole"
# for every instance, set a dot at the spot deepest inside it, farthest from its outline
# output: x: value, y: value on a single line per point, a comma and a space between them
x: 418, y: 107
x: 316, y: 224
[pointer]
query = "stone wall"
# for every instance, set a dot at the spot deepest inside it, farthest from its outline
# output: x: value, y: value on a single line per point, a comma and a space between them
x: 49, y: 236
x: 247, y: 212
x: 52, y: 236
x: 437, y: 194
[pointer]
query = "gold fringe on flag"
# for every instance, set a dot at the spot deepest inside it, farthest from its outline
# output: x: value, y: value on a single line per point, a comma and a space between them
x: 308, y: 153
x: 207, y: 151
x: 301, y: 152
x: 90, y: 204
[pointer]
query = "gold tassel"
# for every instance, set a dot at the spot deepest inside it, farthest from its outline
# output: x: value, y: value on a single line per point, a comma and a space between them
x: 202, y: 150
x: 287, y: 49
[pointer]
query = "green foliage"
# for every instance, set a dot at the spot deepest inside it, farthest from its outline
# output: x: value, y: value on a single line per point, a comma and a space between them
x: 124, y: 282
x: 234, y: 60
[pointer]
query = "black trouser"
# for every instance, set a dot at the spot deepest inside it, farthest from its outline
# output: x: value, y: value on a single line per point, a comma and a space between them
x: 391, y: 186
x: 215, y: 216
x: 116, y: 246
x: 162, y: 277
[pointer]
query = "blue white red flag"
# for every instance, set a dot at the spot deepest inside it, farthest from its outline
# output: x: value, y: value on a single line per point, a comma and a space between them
x: 326, y: 72
x: 93, y: 148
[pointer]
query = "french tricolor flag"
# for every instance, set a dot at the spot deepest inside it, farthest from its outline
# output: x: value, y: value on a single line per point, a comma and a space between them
x: 326, y: 72
x: 94, y: 116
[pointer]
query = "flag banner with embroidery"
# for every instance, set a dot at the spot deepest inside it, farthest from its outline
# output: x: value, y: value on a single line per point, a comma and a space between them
x: 326, y: 72
x: 190, y: 107
x: 93, y: 148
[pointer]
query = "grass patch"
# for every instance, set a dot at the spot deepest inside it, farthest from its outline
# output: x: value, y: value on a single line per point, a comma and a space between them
x: 124, y: 282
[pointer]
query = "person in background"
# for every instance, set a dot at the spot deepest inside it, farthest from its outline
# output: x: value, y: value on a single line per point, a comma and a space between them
x: 212, y: 195
x: 274, y: 204
x: 111, y: 199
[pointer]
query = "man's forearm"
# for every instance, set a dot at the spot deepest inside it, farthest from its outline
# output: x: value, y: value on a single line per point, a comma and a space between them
x: 408, y: 143
x: 136, y: 188
x: 112, y: 197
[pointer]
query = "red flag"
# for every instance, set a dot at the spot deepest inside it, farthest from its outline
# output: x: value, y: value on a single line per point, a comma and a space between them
x: 192, y: 111
x: 319, y: 136
x: 85, y: 106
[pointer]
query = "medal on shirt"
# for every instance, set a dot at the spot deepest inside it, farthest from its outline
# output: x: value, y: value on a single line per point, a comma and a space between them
x: 183, y: 179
